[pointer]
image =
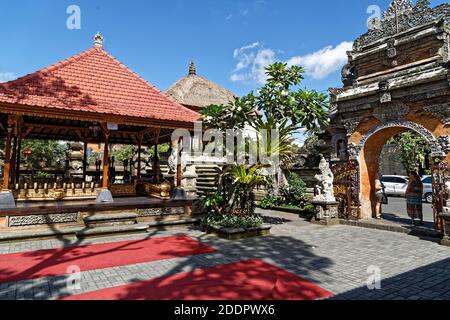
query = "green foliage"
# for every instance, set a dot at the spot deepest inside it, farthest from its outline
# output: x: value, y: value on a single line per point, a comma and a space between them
x: 93, y: 157
x: 291, y: 196
x: 161, y: 149
x: 413, y: 150
x: 230, y: 221
x: 45, y: 153
x: 124, y: 152
x: 279, y: 104
x: 270, y: 201
x: 234, y: 204
x: 213, y: 203
x: 240, y: 182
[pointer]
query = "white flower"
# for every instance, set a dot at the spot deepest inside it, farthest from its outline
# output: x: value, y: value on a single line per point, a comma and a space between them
x: 284, y: 93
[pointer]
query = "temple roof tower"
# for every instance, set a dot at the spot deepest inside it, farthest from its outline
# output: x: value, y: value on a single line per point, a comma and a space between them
x: 196, y: 92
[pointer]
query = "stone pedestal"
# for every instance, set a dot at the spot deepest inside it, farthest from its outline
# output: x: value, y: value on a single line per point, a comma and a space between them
x: 446, y: 217
x: 76, y: 159
x: 326, y: 212
x: 7, y: 200
x: 189, y: 181
x: 104, y: 196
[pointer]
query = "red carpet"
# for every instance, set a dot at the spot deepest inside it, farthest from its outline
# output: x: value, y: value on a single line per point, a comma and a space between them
x: 247, y: 280
x: 38, y: 264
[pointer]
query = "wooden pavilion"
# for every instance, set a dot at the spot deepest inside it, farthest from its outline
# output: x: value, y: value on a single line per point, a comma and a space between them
x: 89, y: 98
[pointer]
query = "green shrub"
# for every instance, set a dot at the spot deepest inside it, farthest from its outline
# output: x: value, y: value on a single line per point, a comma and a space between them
x: 291, y: 196
x: 231, y: 221
x: 269, y: 201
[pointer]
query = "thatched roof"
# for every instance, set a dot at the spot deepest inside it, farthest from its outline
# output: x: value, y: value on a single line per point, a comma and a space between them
x: 198, y: 92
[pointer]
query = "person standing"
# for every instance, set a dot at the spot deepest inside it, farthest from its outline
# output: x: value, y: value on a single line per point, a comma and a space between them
x: 379, y: 193
x: 414, y: 198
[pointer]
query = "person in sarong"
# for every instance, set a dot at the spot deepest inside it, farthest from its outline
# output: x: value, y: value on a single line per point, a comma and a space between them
x: 414, y: 198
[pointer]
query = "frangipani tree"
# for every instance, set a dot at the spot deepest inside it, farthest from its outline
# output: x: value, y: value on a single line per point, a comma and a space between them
x: 280, y: 107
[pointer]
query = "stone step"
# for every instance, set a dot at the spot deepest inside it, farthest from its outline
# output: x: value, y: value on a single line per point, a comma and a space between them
x: 109, y: 230
x: 111, y: 216
x: 206, y: 179
x: 24, y: 235
x: 113, y: 219
x: 173, y: 223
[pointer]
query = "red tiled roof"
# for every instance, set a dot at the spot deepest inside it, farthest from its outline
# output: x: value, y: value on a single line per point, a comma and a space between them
x: 94, y: 81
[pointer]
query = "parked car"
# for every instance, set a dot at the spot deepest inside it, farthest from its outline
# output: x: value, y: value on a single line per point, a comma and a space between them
x: 395, y: 185
x: 428, y: 188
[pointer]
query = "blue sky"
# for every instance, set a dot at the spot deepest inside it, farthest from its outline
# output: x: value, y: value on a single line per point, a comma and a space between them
x: 229, y: 40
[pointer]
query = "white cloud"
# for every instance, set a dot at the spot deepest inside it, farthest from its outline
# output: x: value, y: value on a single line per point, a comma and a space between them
x: 323, y: 62
x: 252, y: 60
x: 251, y: 63
x: 7, y: 76
x: 228, y: 17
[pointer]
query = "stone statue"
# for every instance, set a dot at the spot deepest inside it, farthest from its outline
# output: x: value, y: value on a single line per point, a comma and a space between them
x: 324, y: 188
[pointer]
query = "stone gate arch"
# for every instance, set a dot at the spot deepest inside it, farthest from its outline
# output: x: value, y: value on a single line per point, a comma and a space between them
x: 367, y: 153
x: 397, y: 79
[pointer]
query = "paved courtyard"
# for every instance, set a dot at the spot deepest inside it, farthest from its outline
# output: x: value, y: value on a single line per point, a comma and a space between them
x: 395, y: 210
x: 335, y: 258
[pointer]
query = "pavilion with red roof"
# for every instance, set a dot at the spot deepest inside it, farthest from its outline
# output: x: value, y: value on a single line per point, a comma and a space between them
x: 90, y: 97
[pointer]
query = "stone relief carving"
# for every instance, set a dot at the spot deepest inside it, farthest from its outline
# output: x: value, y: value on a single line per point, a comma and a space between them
x: 383, y: 90
x: 436, y: 147
x: 151, y: 212
x: 444, y: 142
x: 440, y: 111
x: 351, y: 125
x: 400, y: 16
x: 391, y: 111
x: 324, y: 188
x: 391, y: 50
x: 21, y: 221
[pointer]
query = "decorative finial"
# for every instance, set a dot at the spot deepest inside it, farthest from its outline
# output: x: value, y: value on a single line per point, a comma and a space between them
x: 98, y: 40
x: 192, y: 69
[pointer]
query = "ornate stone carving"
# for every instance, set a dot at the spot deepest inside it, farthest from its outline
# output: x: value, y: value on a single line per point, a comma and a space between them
x: 440, y: 111
x: 348, y: 75
x: 391, y: 112
x: 353, y: 150
x: 391, y: 50
x: 383, y: 90
x: 324, y: 189
x: 153, y: 212
x: 351, y: 125
x: 401, y: 16
x: 436, y: 147
x: 444, y: 142
x: 32, y: 220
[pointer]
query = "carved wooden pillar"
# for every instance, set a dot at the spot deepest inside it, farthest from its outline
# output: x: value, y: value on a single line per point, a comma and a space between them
x: 7, y: 165
x: 15, y: 165
x: 85, y: 159
x: 179, y: 168
x: 139, y: 160
x: 155, y: 164
x: 105, y: 160
x: 18, y: 159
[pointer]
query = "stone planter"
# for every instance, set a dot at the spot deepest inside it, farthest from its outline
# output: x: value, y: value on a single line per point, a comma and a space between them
x: 446, y: 240
x: 238, y: 233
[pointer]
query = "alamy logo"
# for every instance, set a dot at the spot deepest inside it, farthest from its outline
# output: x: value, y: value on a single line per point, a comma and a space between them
x: 74, y: 19
x: 374, y: 279
x: 374, y: 20
x: 73, y: 282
